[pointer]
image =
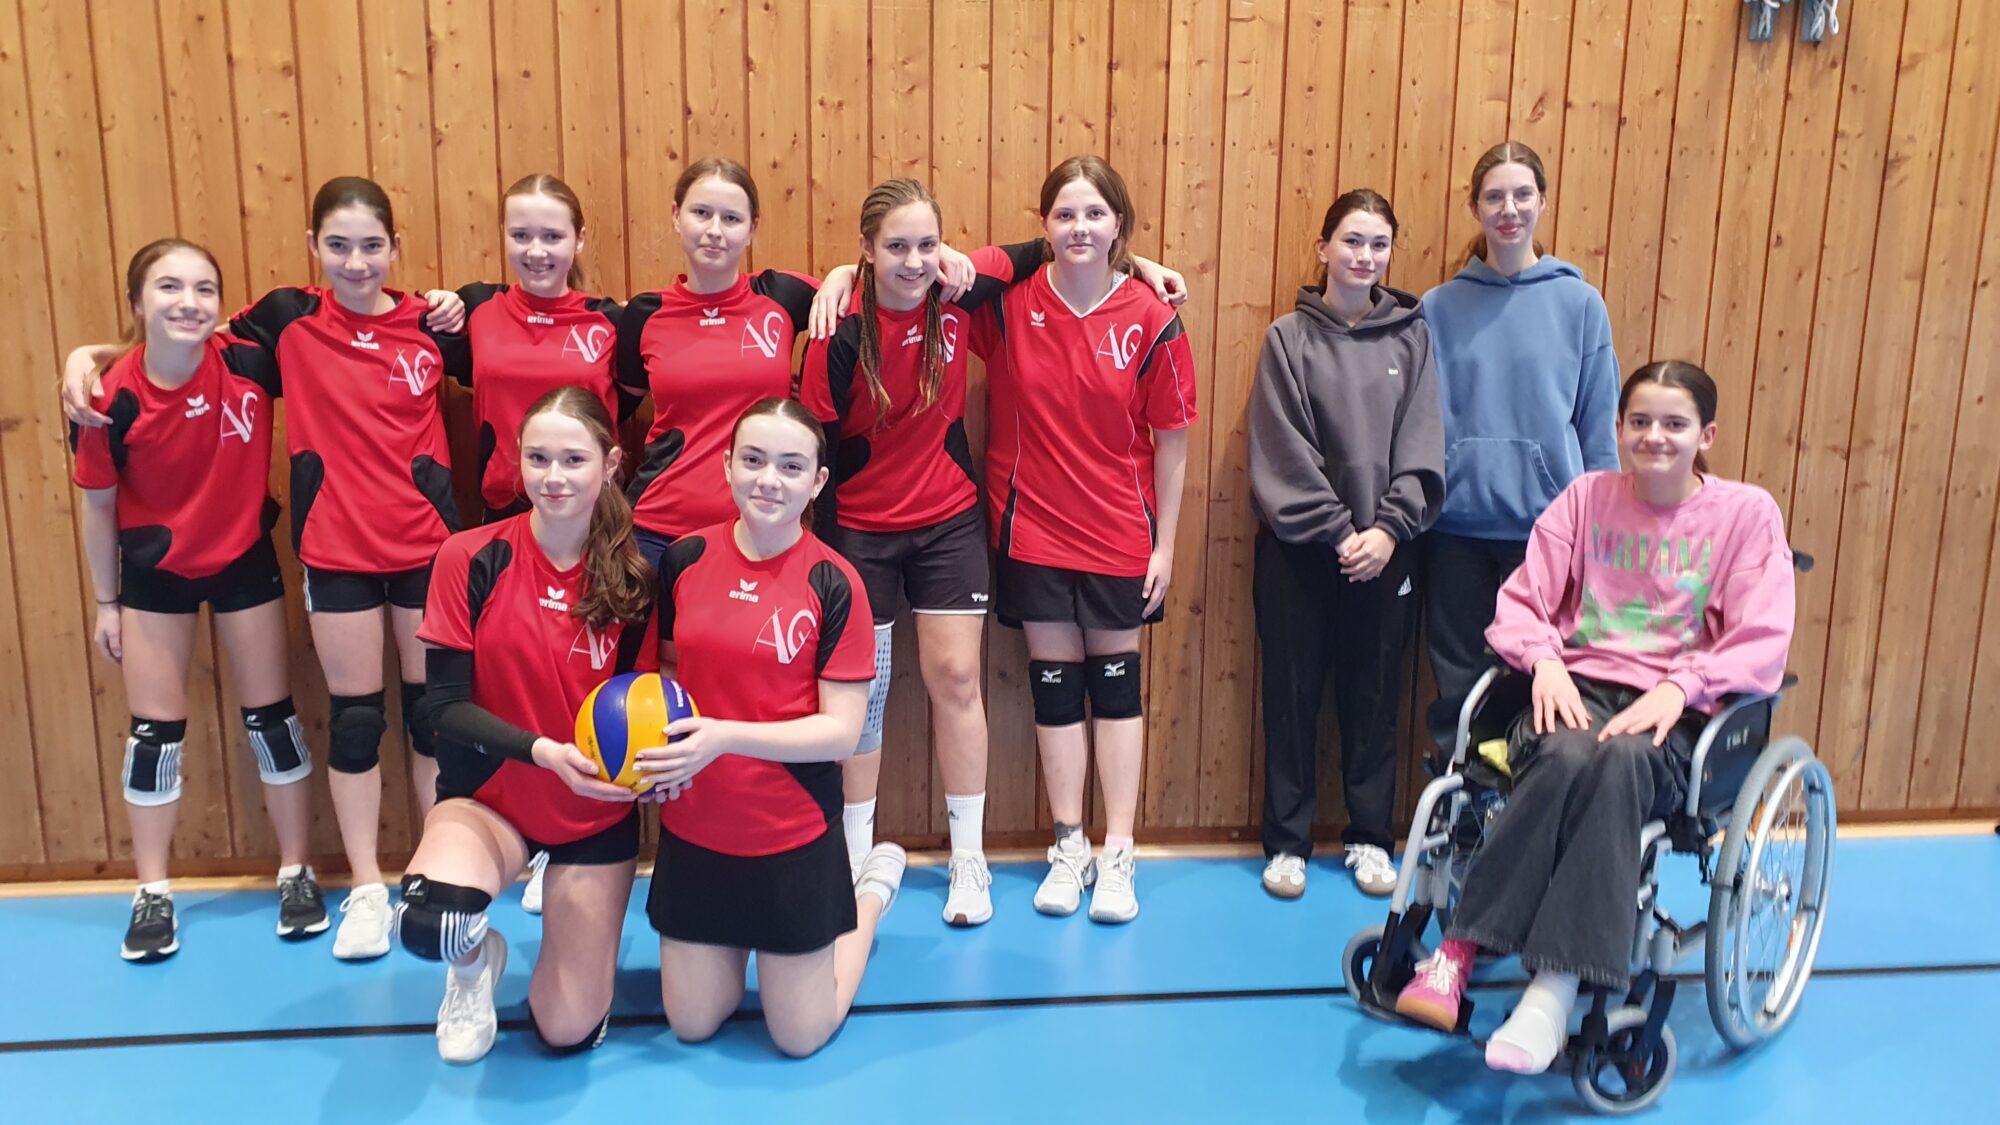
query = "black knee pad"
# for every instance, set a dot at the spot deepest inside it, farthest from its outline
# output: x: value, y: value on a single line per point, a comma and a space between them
x: 441, y: 921
x: 588, y: 1042
x: 1057, y: 688
x: 278, y: 743
x: 354, y: 742
x: 153, y: 761
x: 417, y: 720
x: 1114, y: 686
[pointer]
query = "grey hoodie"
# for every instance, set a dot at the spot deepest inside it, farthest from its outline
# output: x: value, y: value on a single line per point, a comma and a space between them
x: 1345, y: 429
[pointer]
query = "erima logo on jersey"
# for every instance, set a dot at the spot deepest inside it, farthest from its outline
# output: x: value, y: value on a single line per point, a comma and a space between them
x: 1114, y: 667
x: 197, y: 406
x: 1038, y: 318
x: 743, y: 591
x: 712, y: 318
x: 540, y: 318
x: 555, y: 598
x: 365, y: 340
x: 914, y: 336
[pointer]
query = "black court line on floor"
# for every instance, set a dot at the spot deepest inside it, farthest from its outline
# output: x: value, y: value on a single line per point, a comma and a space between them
x: 272, y: 1035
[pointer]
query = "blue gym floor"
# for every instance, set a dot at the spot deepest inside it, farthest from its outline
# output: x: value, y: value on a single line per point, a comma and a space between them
x: 1218, y: 1004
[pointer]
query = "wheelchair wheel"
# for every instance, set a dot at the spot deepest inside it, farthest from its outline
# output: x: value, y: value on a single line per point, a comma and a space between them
x: 1767, y: 908
x: 1615, y: 1078
x: 1359, y: 961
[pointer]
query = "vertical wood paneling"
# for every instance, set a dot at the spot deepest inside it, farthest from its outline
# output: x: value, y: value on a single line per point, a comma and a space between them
x: 1816, y: 223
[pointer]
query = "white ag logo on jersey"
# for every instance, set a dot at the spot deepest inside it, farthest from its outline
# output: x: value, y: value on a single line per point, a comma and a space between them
x: 197, y: 406
x: 948, y: 328
x: 365, y: 340
x: 1121, y: 346
x: 744, y: 591
x: 768, y: 339
x: 413, y: 372
x: 591, y: 344
x: 554, y: 598
x: 711, y: 318
x: 599, y: 647
x: 787, y: 640
x: 240, y: 422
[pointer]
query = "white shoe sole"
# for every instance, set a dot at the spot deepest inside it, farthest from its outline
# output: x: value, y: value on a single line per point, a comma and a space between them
x: 318, y: 927
x: 1107, y: 918
x: 977, y: 917
x: 143, y: 957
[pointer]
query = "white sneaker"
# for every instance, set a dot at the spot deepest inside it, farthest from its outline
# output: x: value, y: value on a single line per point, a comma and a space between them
x: 466, y: 1019
x: 970, y: 902
x: 1116, y: 897
x: 1070, y: 871
x: 531, y: 898
x: 1373, y: 872
x: 364, y: 925
x: 1285, y: 875
x: 882, y: 874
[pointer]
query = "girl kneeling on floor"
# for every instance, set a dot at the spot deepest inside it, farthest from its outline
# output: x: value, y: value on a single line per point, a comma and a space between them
x: 1646, y: 597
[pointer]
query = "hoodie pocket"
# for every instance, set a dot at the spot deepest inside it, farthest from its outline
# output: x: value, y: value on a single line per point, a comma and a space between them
x: 1497, y: 479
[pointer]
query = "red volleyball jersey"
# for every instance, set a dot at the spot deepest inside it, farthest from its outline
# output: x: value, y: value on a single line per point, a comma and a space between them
x: 191, y: 464
x: 705, y: 357
x: 1076, y: 396
x: 523, y: 347
x: 753, y: 640
x: 496, y: 595
x: 911, y: 466
x: 371, y: 474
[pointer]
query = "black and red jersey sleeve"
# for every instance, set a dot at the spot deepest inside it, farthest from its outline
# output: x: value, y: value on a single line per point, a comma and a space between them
x: 454, y: 352
x: 251, y: 361
x: 266, y: 320
x: 448, y: 606
x: 846, y: 625
x: 100, y: 450
x: 1168, y: 371
x: 1000, y: 267
x: 680, y: 555
x: 478, y: 293
x: 630, y: 371
x: 474, y: 295
x: 793, y: 292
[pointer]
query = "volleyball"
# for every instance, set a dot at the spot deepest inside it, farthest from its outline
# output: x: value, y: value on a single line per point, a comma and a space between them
x: 624, y: 715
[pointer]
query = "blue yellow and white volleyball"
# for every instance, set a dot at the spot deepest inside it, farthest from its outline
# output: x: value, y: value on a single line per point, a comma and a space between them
x: 624, y: 715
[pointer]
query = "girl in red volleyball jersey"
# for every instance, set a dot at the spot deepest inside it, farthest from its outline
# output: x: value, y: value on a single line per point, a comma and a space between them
x: 1091, y: 400
x: 708, y: 346
x: 526, y: 617
x: 768, y: 630
x: 370, y: 498
x: 177, y: 513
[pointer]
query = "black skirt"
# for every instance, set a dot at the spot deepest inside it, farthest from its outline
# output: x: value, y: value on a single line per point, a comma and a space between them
x: 792, y: 902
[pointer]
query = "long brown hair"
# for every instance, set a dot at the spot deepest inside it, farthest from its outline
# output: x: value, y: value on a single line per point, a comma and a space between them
x: 142, y: 264
x: 542, y: 183
x: 888, y: 196
x: 1096, y: 172
x: 791, y: 410
x: 1679, y: 375
x: 1367, y: 201
x: 1506, y: 152
x: 619, y: 584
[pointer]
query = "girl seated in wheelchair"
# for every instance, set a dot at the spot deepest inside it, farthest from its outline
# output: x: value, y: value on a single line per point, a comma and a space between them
x: 1646, y: 597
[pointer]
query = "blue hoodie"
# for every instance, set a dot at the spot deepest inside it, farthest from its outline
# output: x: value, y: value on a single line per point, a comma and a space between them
x: 1530, y: 388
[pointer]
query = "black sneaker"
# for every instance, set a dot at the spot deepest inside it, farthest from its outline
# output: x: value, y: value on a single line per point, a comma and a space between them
x: 153, y: 934
x: 301, y: 909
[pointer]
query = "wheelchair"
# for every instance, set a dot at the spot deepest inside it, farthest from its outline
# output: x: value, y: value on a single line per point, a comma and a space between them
x: 1772, y: 803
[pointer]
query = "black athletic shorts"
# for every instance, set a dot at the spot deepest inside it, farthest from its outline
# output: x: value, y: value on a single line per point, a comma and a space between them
x: 348, y: 591
x: 1031, y: 592
x: 251, y: 580
x: 792, y: 902
x: 943, y: 568
x: 616, y: 844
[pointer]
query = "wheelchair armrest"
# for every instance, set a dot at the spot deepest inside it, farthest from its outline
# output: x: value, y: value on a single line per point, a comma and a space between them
x: 1728, y: 747
x: 1490, y: 708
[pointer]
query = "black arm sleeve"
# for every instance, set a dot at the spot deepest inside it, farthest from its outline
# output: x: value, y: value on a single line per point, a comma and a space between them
x: 448, y: 680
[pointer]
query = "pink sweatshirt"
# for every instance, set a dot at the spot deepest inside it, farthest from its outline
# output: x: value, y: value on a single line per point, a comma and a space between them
x: 1699, y: 594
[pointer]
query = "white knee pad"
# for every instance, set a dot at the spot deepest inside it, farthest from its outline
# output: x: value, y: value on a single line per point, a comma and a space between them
x: 153, y: 761
x: 878, y: 692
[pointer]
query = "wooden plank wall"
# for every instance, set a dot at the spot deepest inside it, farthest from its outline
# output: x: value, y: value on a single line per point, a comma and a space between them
x: 1818, y: 225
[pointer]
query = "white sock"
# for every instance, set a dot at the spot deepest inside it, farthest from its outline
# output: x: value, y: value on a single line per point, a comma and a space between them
x: 858, y: 822
x: 290, y: 871
x: 1117, y: 844
x: 469, y: 972
x: 967, y: 818
x: 1533, y: 1036
x: 162, y: 887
